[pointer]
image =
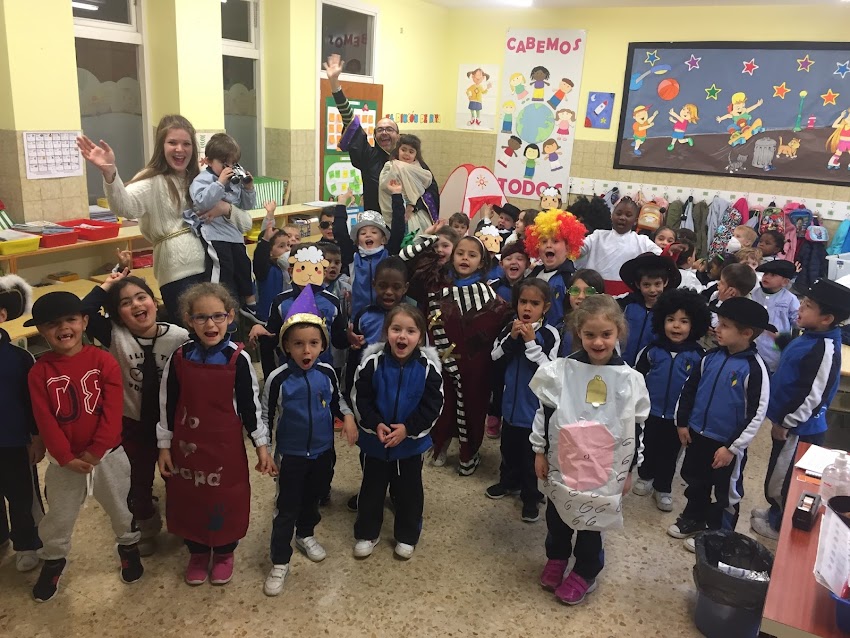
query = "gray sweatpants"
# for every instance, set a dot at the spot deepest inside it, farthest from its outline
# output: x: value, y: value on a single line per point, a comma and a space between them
x: 66, y: 492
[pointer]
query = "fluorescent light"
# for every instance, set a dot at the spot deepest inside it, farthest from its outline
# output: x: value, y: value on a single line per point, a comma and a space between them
x: 85, y: 5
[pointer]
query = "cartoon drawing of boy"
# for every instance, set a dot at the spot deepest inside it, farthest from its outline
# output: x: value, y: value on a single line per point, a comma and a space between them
x: 514, y: 144
x: 531, y: 153
x: 688, y: 115
x: 742, y: 127
x: 558, y: 96
x: 508, y: 109
x: 643, y: 122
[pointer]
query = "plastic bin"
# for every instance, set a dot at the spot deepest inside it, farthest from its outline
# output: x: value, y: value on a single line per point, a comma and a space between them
x: 101, y: 230
x: 59, y: 239
x: 15, y: 242
x: 729, y: 606
x: 842, y: 613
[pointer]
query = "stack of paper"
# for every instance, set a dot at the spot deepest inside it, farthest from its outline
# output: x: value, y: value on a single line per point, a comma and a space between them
x: 816, y: 459
x: 832, y: 565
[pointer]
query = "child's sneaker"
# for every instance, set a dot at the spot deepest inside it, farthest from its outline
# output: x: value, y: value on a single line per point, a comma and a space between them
x: 198, y: 569
x: 249, y: 311
x: 574, y: 589
x: 311, y: 547
x: 530, y: 513
x: 440, y: 459
x: 131, y: 563
x: 468, y: 469
x: 498, y: 491
x: 642, y: 487
x: 222, y: 569
x: 48, y: 580
x: 363, y: 548
x: 761, y: 526
x: 493, y: 427
x: 26, y: 561
x: 685, y: 528
x: 664, y: 501
x: 352, y: 503
x: 274, y: 581
x: 553, y: 574
x: 691, y: 544
x: 760, y: 512
x: 404, y: 551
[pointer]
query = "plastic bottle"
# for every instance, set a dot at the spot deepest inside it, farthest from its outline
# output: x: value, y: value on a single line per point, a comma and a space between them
x: 836, y: 479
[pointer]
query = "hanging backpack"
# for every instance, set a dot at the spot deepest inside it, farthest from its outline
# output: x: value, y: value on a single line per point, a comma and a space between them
x: 650, y: 217
x: 802, y: 219
x: 772, y: 218
x: 817, y: 234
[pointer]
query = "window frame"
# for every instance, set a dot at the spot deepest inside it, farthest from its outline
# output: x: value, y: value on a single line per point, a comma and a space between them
x: 357, y: 7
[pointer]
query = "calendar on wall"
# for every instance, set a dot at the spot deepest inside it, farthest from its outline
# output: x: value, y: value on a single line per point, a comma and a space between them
x: 366, y: 110
x: 50, y: 154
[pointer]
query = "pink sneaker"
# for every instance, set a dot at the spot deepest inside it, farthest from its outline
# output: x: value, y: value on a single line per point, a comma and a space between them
x: 574, y: 589
x: 553, y: 574
x: 196, y: 570
x: 493, y: 427
x: 222, y: 569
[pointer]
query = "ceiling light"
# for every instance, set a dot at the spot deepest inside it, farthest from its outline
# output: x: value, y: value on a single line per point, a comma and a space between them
x: 85, y: 5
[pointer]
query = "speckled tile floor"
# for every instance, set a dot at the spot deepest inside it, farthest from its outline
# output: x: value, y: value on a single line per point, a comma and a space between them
x: 474, y: 574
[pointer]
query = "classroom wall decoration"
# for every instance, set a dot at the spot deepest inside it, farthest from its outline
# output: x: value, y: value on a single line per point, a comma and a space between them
x: 364, y: 109
x: 343, y: 183
x: 768, y: 110
x: 477, y: 90
x: 541, y: 78
x: 600, y: 110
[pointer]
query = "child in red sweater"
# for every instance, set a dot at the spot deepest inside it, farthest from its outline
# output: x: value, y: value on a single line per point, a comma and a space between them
x: 77, y: 401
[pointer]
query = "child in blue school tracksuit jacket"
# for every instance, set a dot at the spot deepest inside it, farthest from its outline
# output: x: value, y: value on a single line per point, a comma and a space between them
x: 390, y: 390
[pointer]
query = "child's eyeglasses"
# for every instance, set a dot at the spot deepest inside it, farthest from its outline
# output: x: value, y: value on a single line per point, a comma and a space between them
x: 217, y: 317
x: 575, y: 291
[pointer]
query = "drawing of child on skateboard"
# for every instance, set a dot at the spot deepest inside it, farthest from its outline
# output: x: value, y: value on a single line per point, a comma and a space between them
x: 742, y: 126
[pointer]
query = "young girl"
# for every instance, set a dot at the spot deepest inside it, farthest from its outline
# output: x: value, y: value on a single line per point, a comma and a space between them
x: 524, y: 345
x: 584, y: 283
x: 209, y: 393
x: 590, y: 405
x: 664, y: 236
x: 141, y: 346
x: 397, y: 397
x: 681, y: 319
x: 688, y: 115
x: 427, y: 259
x: 419, y: 188
x: 605, y: 251
x: 525, y: 219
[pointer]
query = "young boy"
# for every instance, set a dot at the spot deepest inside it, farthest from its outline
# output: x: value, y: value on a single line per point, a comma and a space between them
x: 771, y: 244
x: 272, y: 278
x: 647, y: 276
x: 20, y: 445
x: 300, y: 400
x: 506, y: 222
x: 722, y: 405
x: 77, y: 400
x: 227, y: 242
x: 326, y: 225
x: 803, y: 386
x: 782, y: 306
x: 742, y: 237
x: 514, y: 264
x: 685, y: 261
x: 460, y: 223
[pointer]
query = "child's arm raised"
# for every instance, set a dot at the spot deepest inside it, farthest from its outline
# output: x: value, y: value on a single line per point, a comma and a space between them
x: 343, y: 237
x: 99, y: 327
x: 398, y: 224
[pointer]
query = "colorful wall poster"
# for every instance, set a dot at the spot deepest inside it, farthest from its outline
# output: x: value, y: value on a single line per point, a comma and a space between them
x: 600, y: 110
x: 768, y: 110
x: 477, y: 93
x: 342, y: 182
x: 541, y: 78
x: 366, y: 110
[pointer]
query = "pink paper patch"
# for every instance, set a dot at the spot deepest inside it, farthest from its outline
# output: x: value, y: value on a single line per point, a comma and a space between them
x: 585, y: 455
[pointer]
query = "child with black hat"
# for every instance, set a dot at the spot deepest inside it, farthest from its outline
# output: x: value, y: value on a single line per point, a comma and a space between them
x: 78, y: 400
x: 722, y: 405
x: 647, y: 276
x: 803, y: 386
x: 20, y: 444
x: 782, y: 306
x: 508, y: 216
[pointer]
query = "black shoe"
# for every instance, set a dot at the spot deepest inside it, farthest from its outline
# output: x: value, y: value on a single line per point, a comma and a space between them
x: 498, y: 491
x: 685, y: 528
x: 48, y: 580
x: 131, y: 563
x: 352, y: 503
x: 530, y: 514
x: 325, y: 500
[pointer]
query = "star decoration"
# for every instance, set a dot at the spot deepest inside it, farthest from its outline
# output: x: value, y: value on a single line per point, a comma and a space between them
x: 711, y: 92
x: 781, y: 90
x: 843, y: 69
x: 652, y: 57
x: 693, y: 63
x: 805, y: 63
x: 750, y: 66
x: 829, y: 97
x: 603, y: 120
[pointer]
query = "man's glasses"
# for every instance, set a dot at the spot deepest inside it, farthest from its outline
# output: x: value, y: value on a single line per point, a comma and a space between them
x: 386, y: 129
x: 575, y: 291
x: 217, y: 317
x: 324, y: 225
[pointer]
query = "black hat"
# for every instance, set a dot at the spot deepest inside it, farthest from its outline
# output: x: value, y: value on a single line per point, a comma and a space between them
x: 508, y: 209
x: 55, y: 305
x: 829, y: 293
x: 630, y: 271
x: 781, y: 267
x: 746, y: 312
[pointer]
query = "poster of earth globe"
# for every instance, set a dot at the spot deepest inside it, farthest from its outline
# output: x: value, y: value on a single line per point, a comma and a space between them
x: 768, y: 110
x: 541, y: 79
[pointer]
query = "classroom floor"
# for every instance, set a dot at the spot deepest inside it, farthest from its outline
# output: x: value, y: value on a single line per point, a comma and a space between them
x: 474, y: 573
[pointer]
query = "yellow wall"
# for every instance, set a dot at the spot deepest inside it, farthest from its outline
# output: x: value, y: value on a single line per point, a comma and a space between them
x: 610, y: 30
x: 161, y: 41
x: 276, y: 64
x: 7, y: 113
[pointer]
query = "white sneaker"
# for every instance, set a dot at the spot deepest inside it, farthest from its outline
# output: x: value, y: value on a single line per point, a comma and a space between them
x: 642, y: 487
x: 761, y: 526
x: 664, y: 501
x: 760, y: 512
x: 691, y: 545
x: 26, y: 561
x: 403, y: 550
x: 311, y: 547
x: 274, y: 581
x: 440, y: 460
x: 363, y: 548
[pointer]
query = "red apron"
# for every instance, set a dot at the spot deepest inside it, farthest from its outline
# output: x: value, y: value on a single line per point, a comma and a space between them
x: 209, y: 496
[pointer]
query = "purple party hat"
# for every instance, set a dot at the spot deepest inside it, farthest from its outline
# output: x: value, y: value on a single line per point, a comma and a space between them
x: 304, y: 310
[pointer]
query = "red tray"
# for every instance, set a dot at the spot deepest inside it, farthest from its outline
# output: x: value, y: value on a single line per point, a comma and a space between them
x: 104, y: 230
x: 63, y: 239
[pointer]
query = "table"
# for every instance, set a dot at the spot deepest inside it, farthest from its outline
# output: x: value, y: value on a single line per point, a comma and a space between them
x: 142, y: 273
x: 16, y: 328
x: 797, y: 606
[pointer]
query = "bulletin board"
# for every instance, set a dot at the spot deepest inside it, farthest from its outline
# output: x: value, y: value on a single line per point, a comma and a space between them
x: 364, y: 109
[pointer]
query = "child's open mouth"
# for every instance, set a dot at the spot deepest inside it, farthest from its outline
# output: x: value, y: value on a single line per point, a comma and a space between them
x: 369, y: 243
x: 65, y: 337
x: 211, y: 334
x: 306, y: 362
x: 463, y: 265
x: 549, y: 254
x: 401, y: 347
x: 140, y: 315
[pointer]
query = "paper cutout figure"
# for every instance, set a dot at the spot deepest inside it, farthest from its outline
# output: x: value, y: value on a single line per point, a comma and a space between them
x: 308, y: 266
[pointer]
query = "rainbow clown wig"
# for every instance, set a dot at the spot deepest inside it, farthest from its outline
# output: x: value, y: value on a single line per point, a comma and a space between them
x: 555, y: 224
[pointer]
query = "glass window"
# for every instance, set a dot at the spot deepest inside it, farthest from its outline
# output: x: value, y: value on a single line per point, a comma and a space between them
x: 240, y: 108
x: 350, y: 34
x: 105, y: 10
x: 111, y: 104
x: 236, y: 20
